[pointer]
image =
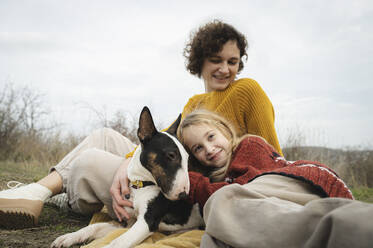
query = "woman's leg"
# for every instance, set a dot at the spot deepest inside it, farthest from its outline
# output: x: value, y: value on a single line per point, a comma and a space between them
x: 21, y: 207
x: 91, y: 176
x: 105, y: 139
x: 276, y: 211
x: 53, y: 182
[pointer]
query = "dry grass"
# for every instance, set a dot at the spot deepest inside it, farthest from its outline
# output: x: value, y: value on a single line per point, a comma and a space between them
x: 354, y: 166
x: 34, y: 160
x: 53, y: 222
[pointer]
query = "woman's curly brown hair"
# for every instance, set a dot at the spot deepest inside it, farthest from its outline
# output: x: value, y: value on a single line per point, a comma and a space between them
x: 208, y: 41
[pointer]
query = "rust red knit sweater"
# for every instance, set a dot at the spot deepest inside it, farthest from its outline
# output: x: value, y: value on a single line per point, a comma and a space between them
x: 253, y: 158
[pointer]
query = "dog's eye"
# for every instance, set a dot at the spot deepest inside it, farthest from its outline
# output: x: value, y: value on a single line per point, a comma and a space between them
x: 171, y: 156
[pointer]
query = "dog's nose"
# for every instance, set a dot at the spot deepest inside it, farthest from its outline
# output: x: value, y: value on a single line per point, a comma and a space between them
x: 183, y: 196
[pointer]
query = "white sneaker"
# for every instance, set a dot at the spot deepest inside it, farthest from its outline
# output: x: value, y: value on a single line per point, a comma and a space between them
x: 21, y: 205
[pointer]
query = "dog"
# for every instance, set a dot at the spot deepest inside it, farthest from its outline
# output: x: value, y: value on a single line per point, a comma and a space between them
x: 159, y: 185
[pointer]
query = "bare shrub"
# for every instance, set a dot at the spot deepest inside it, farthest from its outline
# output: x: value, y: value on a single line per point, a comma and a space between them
x: 122, y: 121
x: 21, y: 115
x: 25, y: 135
x: 124, y: 124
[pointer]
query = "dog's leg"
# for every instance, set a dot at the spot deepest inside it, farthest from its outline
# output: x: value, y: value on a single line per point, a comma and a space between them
x: 87, y: 233
x: 135, y: 235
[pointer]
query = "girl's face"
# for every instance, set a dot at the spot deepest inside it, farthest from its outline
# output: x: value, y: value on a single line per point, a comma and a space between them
x: 207, y: 144
x: 220, y: 70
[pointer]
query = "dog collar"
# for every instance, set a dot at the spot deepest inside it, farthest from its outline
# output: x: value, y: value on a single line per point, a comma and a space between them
x: 137, y: 184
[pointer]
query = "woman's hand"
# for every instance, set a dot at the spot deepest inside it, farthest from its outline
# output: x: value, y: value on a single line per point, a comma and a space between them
x: 119, y: 191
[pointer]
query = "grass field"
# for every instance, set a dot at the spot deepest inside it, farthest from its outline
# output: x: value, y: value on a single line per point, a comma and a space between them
x: 55, y: 222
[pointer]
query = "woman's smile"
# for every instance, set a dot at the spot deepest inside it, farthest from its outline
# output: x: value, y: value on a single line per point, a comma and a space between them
x: 221, y: 78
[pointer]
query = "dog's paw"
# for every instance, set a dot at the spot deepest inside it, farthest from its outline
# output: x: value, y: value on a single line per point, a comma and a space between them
x: 68, y: 240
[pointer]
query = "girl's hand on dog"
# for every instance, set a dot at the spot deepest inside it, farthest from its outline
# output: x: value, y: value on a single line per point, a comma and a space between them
x: 120, y: 192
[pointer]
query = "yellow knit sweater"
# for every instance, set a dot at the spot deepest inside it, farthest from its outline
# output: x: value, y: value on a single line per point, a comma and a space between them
x: 245, y: 105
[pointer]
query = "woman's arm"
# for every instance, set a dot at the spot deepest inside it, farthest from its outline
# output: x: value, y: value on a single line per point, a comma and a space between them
x: 258, y: 113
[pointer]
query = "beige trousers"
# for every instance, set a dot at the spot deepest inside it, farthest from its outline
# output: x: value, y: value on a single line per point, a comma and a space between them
x: 277, y: 211
x: 88, y: 170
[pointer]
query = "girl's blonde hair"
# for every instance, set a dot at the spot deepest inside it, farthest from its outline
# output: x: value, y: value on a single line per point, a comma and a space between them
x: 202, y: 116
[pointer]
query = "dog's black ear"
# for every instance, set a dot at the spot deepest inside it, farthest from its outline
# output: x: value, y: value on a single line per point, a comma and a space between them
x: 146, y: 126
x: 172, y: 130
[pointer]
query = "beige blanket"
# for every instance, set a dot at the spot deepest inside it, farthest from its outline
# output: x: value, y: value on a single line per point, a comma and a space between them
x: 189, y: 239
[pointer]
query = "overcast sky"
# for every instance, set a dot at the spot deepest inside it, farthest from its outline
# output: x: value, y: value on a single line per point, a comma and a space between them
x: 313, y: 58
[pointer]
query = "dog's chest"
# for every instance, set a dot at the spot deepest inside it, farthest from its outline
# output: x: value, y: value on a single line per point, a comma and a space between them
x: 141, y: 198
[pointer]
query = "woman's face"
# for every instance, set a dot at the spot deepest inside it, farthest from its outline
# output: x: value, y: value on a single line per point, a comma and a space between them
x: 207, y: 144
x: 220, y: 70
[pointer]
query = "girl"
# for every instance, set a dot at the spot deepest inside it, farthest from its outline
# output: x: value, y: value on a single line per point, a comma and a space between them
x: 267, y: 201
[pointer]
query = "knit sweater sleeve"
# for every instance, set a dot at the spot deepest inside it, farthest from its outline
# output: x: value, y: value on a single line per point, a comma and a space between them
x: 257, y: 111
x: 201, y: 188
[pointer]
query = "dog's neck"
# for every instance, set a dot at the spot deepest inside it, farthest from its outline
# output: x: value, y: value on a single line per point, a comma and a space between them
x: 136, y: 171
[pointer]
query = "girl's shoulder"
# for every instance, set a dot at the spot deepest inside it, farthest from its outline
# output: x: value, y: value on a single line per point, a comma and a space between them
x: 250, y: 138
x: 250, y: 141
x: 252, y: 148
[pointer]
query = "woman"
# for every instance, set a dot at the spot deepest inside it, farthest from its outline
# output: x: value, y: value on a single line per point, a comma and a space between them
x: 215, y: 54
x: 255, y: 198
